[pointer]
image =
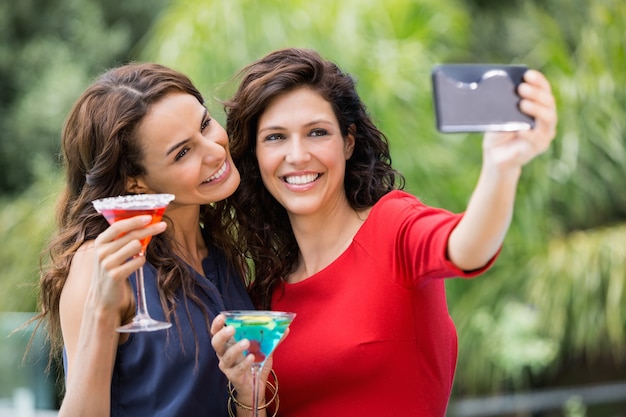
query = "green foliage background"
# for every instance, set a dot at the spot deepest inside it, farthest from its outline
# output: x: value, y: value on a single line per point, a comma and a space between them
x: 555, y: 297
x: 557, y: 291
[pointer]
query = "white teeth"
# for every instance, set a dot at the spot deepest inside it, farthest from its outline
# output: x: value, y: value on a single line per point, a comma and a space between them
x: 217, y: 174
x: 301, y: 179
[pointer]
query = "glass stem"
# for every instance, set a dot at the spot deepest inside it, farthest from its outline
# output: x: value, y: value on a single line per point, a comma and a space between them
x: 142, y: 305
x: 256, y: 371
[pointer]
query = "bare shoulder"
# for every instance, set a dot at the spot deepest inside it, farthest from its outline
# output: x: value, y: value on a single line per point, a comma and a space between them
x: 76, y: 286
x: 81, y: 268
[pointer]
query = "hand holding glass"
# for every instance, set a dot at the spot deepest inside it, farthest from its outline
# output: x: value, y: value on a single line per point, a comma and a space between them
x: 264, y: 330
x: 123, y: 207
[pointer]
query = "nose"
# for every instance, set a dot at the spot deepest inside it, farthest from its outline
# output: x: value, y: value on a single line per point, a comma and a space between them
x: 297, y: 151
x: 214, y: 148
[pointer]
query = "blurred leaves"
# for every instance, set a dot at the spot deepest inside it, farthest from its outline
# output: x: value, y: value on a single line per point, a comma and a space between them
x: 26, y: 225
x: 513, y: 340
x: 50, y: 50
x: 20, y: 371
x: 581, y: 276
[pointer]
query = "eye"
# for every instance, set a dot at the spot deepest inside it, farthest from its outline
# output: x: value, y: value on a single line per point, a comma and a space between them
x: 182, y: 153
x: 318, y: 132
x: 274, y: 137
x: 205, y: 124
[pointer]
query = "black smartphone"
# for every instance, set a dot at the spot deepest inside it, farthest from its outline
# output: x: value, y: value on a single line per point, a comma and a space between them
x: 478, y: 98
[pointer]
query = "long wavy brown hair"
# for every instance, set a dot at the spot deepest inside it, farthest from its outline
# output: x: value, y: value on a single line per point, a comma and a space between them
x: 101, y: 150
x: 265, y: 234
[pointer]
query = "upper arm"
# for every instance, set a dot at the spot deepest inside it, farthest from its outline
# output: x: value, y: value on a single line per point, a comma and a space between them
x: 90, y: 340
x: 73, y: 298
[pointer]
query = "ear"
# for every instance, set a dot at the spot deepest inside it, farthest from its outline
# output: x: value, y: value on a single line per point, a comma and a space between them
x: 136, y: 185
x: 350, y: 141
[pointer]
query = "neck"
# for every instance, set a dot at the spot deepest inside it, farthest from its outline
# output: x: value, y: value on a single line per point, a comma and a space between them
x: 189, y: 244
x: 322, y: 239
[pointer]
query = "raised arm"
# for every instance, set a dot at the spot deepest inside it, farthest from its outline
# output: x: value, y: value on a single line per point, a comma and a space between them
x: 96, y: 298
x: 481, y: 232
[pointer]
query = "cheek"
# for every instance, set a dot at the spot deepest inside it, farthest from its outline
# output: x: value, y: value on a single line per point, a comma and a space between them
x: 265, y: 162
x: 268, y: 170
x: 335, y: 157
x: 184, y: 174
x: 266, y: 175
x: 181, y: 175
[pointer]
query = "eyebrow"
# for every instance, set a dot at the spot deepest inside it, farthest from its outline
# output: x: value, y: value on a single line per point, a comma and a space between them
x: 309, y: 124
x: 178, y: 145
x: 270, y: 128
x: 182, y: 142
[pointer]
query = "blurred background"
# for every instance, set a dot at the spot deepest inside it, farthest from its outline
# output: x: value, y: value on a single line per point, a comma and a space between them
x: 541, y: 334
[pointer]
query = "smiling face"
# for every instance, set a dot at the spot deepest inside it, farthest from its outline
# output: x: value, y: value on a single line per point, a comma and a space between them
x: 185, y: 152
x: 302, y: 154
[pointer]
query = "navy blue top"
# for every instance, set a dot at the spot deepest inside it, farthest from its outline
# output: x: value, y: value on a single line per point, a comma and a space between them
x: 155, y: 375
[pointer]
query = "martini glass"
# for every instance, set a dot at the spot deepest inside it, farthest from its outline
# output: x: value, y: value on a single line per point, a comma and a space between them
x: 123, y: 207
x: 263, y: 329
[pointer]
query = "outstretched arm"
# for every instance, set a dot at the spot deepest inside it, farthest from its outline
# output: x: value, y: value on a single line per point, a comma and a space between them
x: 481, y: 232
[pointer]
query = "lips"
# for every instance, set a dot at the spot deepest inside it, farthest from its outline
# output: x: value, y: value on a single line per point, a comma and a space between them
x: 301, y: 179
x: 218, y: 174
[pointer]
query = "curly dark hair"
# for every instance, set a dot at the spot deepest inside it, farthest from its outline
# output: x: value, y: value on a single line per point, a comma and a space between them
x: 101, y: 150
x: 265, y: 234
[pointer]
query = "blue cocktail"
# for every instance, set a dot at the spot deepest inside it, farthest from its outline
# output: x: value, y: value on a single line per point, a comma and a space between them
x: 263, y: 329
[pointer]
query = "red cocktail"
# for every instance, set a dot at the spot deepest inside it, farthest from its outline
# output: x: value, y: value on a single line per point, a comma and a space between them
x: 114, y: 214
x: 123, y: 207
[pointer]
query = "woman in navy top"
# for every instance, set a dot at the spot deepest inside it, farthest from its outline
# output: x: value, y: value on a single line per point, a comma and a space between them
x: 141, y: 129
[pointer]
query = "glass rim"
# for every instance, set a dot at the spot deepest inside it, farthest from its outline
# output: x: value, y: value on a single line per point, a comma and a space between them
x: 133, y: 201
x: 257, y: 313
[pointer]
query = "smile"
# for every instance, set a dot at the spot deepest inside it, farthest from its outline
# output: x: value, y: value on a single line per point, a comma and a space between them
x: 301, y: 179
x: 218, y: 174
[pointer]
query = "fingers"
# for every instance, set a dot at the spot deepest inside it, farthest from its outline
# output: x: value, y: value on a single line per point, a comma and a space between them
x: 229, y: 352
x: 232, y: 358
x: 221, y: 335
x: 535, y: 92
x: 234, y: 362
x: 121, y: 264
x: 217, y: 325
x: 538, y: 101
x: 116, y: 248
x: 536, y: 78
x: 131, y: 228
x: 125, y: 235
